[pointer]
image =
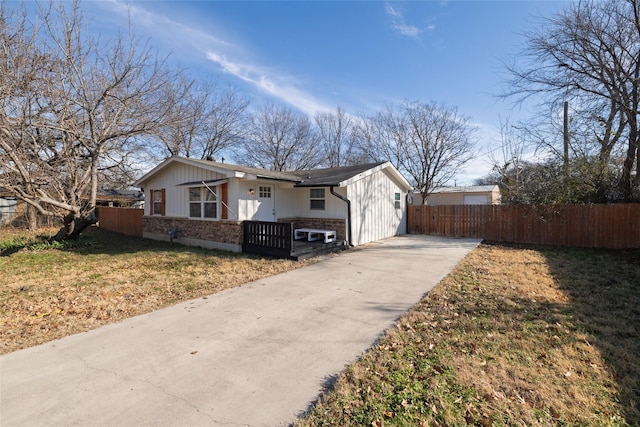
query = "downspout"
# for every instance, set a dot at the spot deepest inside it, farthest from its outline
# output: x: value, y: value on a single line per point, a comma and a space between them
x: 348, y: 202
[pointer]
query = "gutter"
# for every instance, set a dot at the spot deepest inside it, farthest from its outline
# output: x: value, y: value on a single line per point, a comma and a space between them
x: 348, y: 202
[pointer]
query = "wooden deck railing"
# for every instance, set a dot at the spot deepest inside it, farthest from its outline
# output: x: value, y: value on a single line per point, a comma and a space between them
x: 268, y: 238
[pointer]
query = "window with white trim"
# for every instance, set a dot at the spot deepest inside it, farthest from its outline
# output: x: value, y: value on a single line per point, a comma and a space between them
x: 397, y: 200
x: 157, y: 202
x: 203, y: 203
x: 316, y: 199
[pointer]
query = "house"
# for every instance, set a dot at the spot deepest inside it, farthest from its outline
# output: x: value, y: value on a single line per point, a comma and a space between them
x: 205, y: 203
x: 10, y: 208
x: 471, y: 195
x: 120, y: 198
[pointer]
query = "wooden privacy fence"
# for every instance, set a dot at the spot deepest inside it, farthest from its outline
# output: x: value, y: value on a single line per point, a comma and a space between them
x: 596, y: 226
x: 121, y: 220
x: 267, y: 238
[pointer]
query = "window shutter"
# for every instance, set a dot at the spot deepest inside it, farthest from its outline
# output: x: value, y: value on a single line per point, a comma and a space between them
x: 225, y: 195
x: 151, y: 202
x: 162, y: 204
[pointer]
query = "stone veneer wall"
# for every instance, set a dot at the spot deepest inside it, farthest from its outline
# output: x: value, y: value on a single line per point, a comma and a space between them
x: 339, y: 225
x: 228, y: 232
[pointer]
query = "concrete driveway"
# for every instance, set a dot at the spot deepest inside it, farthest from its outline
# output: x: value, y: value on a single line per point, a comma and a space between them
x: 257, y: 355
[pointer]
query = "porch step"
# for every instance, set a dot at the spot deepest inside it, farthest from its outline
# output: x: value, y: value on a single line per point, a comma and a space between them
x: 307, y: 250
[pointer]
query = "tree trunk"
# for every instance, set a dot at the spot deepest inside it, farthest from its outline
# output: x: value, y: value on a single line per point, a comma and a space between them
x: 73, y: 226
x: 32, y: 218
x: 626, y: 181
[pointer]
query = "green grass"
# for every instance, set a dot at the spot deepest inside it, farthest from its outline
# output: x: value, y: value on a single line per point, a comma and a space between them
x: 515, y: 336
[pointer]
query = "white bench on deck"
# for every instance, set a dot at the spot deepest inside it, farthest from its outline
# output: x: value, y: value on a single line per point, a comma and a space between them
x: 311, y: 234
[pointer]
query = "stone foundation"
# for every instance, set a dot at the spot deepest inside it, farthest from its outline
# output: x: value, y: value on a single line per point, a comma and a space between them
x: 339, y: 225
x: 226, y: 235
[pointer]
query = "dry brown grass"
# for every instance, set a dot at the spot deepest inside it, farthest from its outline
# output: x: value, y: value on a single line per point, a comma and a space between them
x: 48, y: 292
x: 529, y: 336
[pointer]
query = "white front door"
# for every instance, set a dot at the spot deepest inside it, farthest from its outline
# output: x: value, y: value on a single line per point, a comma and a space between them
x: 266, y: 206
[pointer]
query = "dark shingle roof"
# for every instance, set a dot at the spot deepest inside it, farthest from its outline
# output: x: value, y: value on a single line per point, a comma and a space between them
x: 307, y: 178
x: 330, y: 176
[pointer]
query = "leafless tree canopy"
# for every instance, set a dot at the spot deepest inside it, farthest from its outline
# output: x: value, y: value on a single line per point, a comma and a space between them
x: 335, y: 132
x: 280, y: 139
x: 589, y: 54
x: 428, y: 142
x: 76, y: 111
x: 71, y: 108
x: 207, y: 120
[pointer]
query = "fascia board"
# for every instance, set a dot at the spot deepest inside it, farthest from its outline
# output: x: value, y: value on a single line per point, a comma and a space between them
x: 387, y: 165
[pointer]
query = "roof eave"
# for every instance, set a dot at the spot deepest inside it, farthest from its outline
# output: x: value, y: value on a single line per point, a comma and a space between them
x: 185, y: 160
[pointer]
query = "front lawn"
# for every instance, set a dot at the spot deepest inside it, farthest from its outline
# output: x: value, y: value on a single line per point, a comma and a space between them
x: 515, y: 336
x: 50, y: 290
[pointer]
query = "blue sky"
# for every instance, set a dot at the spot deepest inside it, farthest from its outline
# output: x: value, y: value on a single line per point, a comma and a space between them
x: 357, y: 55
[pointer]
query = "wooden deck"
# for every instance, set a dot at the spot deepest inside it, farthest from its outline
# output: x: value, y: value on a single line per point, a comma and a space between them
x: 302, y: 249
x: 273, y: 239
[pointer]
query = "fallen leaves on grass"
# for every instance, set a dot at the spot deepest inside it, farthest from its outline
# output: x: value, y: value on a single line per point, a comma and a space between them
x: 51, y: 293
x: 528, y: 336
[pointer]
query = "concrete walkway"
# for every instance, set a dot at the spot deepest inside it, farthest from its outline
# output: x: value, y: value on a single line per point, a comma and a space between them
x: 257, y: 355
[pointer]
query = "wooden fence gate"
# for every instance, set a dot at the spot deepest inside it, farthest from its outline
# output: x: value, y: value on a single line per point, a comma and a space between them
x: 127, y: 221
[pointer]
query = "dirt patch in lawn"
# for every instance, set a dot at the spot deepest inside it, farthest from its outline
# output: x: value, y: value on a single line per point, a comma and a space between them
x: 48, y: 291
x: 515, y: 336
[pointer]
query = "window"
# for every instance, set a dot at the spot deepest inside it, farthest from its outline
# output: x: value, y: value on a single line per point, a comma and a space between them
x: 157, y: 202
x: 316, y: 197
x: 397, y: 200
x: 202, y: 203
x: 264, y: 192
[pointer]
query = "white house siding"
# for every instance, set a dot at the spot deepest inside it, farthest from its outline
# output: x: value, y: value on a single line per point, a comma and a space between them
x: 295, y: 202
x: 248, y: 204
x: 374, y: 215
x: 176, y: 198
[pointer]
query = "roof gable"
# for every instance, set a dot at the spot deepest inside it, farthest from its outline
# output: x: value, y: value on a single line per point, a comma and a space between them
x: 228, y: 170
x: 337, y: 177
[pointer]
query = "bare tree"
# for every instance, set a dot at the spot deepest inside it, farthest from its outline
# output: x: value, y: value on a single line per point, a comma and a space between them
x: 206, y: 119
x: 428, y: 142
x: 507, y: 160
x: 590, y: 54
x: 336, y: 136
x: 280, y: 139
x: 72, y: 108
x: 376, y: 138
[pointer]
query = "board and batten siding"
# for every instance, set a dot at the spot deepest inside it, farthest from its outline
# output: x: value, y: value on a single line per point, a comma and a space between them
x: 374, y: 215
x: 295, y: 202
x: 176, y: 197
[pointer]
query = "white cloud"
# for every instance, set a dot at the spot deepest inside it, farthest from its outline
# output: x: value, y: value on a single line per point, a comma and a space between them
x: 269, y: 82
x: 400, y: 25
x: 161, y: 27
x: 190, y: 41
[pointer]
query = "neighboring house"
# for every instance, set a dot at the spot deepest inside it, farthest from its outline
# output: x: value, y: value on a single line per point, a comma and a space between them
x: 206, y: 202
x: 10, y: 208
x: 120, y: 198
x: 473, y: 195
